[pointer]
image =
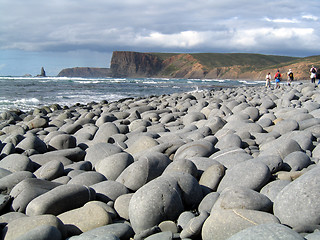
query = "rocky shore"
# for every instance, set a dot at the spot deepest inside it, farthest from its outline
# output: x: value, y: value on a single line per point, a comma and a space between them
x: 233, y: 163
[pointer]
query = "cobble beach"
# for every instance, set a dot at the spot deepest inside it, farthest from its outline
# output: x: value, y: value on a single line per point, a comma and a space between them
x: 232, y: 163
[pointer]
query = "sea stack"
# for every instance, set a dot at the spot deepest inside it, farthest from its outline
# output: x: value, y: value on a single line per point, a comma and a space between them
x: 42, y: 73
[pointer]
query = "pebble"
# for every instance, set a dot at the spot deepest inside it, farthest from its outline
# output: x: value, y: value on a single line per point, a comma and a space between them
x: 231, y: 163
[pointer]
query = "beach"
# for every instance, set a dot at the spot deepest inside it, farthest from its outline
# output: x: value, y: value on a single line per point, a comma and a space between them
x: 214, y: 163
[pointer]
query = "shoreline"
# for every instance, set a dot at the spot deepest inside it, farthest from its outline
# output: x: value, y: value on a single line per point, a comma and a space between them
x: 181, y: 165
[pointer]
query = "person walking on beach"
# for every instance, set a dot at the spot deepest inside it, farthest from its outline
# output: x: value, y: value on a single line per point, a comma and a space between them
x: 313, y: 71
x: 268, y: 80
x: 290, y: 77
x: 277, y: 78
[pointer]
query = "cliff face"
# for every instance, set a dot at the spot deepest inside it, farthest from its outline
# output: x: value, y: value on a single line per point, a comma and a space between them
x: 134, y: 64
x: 85, y: 72
x: 199, y: 66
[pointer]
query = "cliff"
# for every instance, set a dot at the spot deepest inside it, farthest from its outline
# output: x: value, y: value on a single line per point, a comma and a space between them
x: 135, y: 64
x: 85, y: 72
x: 198, y: 65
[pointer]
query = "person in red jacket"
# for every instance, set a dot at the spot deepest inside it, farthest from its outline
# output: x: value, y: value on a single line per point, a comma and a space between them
x: 277, y: 78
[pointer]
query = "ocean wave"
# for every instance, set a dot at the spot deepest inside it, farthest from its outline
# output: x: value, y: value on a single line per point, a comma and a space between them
x: 27, y: 101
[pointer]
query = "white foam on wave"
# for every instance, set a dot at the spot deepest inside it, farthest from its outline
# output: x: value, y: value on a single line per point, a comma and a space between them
x: 27, y: 101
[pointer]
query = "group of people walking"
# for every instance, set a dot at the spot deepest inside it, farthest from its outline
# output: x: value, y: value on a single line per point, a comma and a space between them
x: 278, y: 77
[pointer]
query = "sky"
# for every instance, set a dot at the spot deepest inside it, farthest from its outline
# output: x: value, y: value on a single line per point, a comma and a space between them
x: 59, y: 34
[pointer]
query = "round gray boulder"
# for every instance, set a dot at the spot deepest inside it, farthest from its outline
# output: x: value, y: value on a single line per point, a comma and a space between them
x: 250, y: 174
x: 144, y: 170
x: 156, y: 201
x: 111, y: 167
x: 222, y: 224
x: 271, y: 231
x: 297, y: 204
x: 100, y: 151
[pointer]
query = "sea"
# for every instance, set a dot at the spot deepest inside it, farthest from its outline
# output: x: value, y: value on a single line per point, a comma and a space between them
x: 27, y: 93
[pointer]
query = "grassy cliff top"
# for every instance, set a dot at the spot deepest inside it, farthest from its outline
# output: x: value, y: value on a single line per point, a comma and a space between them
x: 212, y: 60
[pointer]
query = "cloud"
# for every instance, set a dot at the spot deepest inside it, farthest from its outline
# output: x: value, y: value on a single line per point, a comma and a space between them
x: 310, y: 17
x: 282, y: 20
x: 282, y: 26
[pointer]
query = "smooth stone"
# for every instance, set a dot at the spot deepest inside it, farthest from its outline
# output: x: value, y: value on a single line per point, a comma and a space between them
x: 208, y: 201
x: 109, y: 190
x: 16, y: 162
x: 4, y: 172
x: 190, y: 190
x: 286, y: 126
x: 265, y: 122
x: 10, y: 216
x: 87, y: 178
x: 228, y: 141
x: 199, y: 148
x: 192, y: 117
x: 108, y: 207
x: 166, y: 235
x: 51, y: 135
x: 306, y: 123
x: 104, y: 118
x: 242, y: 198
x: 104, y: 132
x: 313, y: 236
x: 13, y: 129
x: 182, y: 165
x: 71, y: 128
x: 168, y: 226
x: 194, y: 226
x: 60, y: 199
x: 107, y: 236
x: 212, y: 176
x: 84, y: 219
x: 42, y: 159
x: 240, y: 125
x: 37, y: 122
x: 253, y: 112
x: 8, y: 182
x: 156, y: 201
x: 144, y: 170
x: 44, y: 232
x: 202, y: 164
x: 271, y: 231
x: 82, y: 165
x: 274, y: 162
x: 74, y: 154
x: 120, y: 230
x: 27, y: 190
x: 231, y: 157
x: 279, y: 147
x: 184, y: 218
x: 250, y: 174
x: 62, y: 180
x: 302, y: 194
x: 303, y: 138
x: 62, y: 141
x: 74, y: 173
x: 141, y: 144
x: 111, y: 167
x: 121, y: 205
x: 21, y: 226
x: 99, y: 151
x: 31, y: 142
x: 8, y: 149
x: 296, y: 161
x: 272, y: 189
x: 4, y: 200
x: 222, y: 224
x: 50, y: 170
